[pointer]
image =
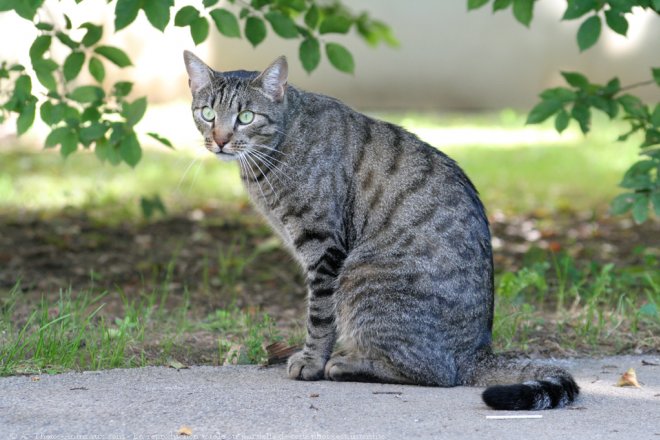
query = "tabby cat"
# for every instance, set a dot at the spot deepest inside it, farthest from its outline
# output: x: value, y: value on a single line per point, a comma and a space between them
x: 390, y: 233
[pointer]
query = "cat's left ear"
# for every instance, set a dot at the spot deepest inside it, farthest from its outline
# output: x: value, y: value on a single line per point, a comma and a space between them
x: 273, y: 80
x: 199, y: 73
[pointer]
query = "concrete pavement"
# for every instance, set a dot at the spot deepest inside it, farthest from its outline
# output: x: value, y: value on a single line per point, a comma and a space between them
x: 250, y: 402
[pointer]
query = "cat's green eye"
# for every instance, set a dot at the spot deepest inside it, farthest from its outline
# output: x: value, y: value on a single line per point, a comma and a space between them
x: 245, y: 117
x: 208, y: 114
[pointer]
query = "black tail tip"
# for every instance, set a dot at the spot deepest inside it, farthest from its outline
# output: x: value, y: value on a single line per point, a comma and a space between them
x: 554, y: 392
x: 511, y: 397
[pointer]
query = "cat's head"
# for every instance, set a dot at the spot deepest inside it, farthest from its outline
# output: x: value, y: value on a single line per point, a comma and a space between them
x: 238, y: 111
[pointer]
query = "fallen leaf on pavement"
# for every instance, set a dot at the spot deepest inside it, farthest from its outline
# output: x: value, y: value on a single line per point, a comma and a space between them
x: 184, y: 430
x: 173, y: 363
x: 628, y: 379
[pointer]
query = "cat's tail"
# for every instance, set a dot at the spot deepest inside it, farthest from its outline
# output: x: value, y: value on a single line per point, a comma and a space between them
x: 524, y: 385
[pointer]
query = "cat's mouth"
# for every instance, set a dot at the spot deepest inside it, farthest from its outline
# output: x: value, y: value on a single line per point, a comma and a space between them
x: 224, y: 155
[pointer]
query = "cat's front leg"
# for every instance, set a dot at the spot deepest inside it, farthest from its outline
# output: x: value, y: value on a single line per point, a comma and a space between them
x: 309, y: 364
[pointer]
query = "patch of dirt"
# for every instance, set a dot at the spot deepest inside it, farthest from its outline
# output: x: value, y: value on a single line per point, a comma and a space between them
x: 220, y: 258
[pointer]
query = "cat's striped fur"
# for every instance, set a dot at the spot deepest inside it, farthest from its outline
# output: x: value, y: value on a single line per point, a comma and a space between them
x: 389, y: 231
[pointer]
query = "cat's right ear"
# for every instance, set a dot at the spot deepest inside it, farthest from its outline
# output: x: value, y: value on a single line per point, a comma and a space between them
x: 199, y: 74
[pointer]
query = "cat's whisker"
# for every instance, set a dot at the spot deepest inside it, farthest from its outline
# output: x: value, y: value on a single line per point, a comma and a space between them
x: 276, y: 150
x: 185, y: 173
x: 194, y: 179
x: 266, y: 161
x: 255, y: 162
x: 270, y: 156
x: 249, y: 167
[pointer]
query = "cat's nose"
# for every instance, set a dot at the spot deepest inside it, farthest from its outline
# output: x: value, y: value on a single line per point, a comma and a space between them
x: 222, y: 139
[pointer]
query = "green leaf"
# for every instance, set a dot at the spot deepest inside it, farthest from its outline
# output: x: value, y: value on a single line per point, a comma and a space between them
x: 149, y: 206
x: 340, y: 57
x: 296, y: 5
x: 612, y: 87
x: 312, y: 17
x: 576, y: 79
x: 577, y: 8
x: 559, y: 93
x: 655, y: 201
x: 562, y: 120
x: 185, y: 16
x: 498, y: 5
x: 96, y: 69
x: 543, y: 111
x: 71, y: 115
x: 640, y: 209
x: 638, y: 176
x: 56, y: 136
x: 134, y: 111
x: 44, y: 70
x: 582, y: 114
x: 622, y: 203
x: 25, y: 118
x: 130, y: 150
x: 72, y: 65
x: 126, y: 11
x: 655, y: 117
x: 617, y: 22
x: 86, y: 94
x: 652, y: 137
x: 48, y: 113
x: 93, y: 35
x: 114, y: 55
x: 158, y: 12
x: 476, y: 4
x: 523, y: 11
x: 337, y: 24
x: 52, y: 114
x: 122, y: 88
x: 39, y: 47
x: 633, y: 106
x: 282, y: 24
x: 25, y: 9
x: 589, y: 32
x: 310, y: 54
x: 161, y: 139
x: 209, y: 3
x: 43, y: 26
x: 656, y: 74
x: 23, y: 88
x: 67, y: 41
x: 607, y: 105
x: 255, y: 30
x: 91, y: 113
x: 226, y: 22
x: 92, y: 132
x: 69, y: 143
x: 199, y: 30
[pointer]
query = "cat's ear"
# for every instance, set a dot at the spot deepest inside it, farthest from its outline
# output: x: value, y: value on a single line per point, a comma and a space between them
x: 273, y: 80
x: 199, y: 74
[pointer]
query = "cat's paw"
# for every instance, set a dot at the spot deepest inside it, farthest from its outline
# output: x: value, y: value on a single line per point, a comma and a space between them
x: 336, y: 368
x: 305, y: 366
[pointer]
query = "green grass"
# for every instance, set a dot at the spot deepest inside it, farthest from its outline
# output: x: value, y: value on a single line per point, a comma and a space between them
x: 74, y: 332
x: 536, y: 171
x: 598, y: 308
x: 549, y: 305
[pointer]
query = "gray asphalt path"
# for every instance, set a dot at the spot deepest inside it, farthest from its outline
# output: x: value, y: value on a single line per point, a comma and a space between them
x: 249, y: 402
